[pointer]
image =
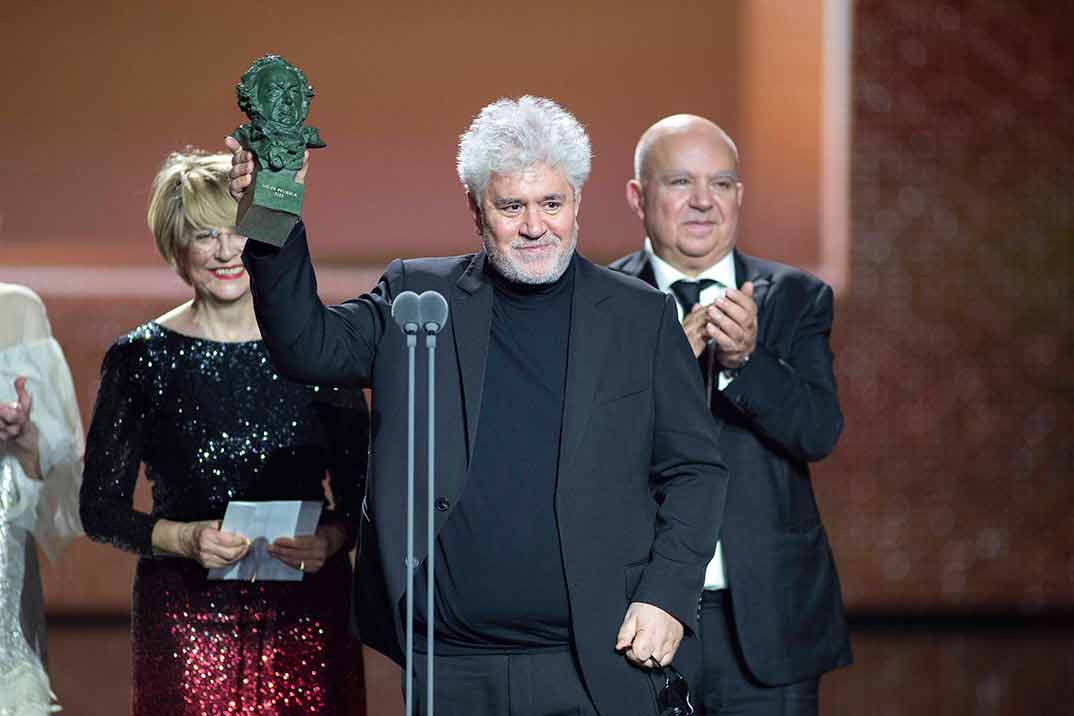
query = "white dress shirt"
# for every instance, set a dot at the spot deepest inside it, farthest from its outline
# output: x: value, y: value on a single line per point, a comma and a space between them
x: 723, y: 273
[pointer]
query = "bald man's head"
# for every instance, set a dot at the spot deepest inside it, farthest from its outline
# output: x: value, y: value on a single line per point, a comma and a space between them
x: 686, y: 191
x: 677, y: 124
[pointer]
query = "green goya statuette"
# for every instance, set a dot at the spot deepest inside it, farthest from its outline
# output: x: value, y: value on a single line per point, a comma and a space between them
x: 276, y: 96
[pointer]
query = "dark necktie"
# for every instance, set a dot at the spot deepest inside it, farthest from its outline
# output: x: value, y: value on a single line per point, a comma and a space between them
x: 689, y: 293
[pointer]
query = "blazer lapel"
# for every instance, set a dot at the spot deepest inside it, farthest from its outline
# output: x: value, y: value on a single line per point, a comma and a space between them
x: 589, y: 339
x: 639, y: 266
x: 471, y: 306
x: 645, y: 271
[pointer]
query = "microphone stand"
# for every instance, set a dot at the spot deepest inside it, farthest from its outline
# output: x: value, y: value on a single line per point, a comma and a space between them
x: 405, y: 311
x: 411, y: 563
x: 413, y: 313
x: 430, y: 519
x: 433, y: 312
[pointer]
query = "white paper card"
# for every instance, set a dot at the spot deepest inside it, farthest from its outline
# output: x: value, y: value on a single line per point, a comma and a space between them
x: 262, y: 523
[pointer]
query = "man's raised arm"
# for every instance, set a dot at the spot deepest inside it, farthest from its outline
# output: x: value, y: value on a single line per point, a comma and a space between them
x: 308, y: 341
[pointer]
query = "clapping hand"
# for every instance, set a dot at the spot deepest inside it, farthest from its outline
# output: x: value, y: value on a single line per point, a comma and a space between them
x: 696, y: 324
x: 732, y: 326
x: 18, y: 431
x: 15, y: 416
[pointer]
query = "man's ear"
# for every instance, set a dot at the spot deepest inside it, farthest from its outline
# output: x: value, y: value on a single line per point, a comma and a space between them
x: 475, y: 212
x: 741, y: 191
x: 634, y: 198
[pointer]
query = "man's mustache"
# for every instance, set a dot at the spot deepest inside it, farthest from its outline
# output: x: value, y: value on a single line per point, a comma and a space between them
x: 546, y: 239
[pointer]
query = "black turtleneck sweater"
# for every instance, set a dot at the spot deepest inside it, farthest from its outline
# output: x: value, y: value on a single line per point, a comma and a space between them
x: 500, y: 585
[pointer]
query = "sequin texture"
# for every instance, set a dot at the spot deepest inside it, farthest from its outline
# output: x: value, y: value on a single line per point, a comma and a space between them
x: 212, y: 422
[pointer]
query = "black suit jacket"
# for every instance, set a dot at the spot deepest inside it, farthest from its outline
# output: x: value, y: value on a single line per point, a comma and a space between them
x: 640, y: 484
x: 779, y: 414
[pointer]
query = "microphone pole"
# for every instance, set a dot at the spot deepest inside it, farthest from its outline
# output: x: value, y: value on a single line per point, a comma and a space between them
x: 405, y: 311
x: 433, y: 312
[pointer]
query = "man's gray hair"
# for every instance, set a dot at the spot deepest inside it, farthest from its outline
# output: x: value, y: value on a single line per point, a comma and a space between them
x: 510, y: 135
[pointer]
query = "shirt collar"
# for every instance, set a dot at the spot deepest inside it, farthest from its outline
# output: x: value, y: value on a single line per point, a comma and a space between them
x: 723, y: 271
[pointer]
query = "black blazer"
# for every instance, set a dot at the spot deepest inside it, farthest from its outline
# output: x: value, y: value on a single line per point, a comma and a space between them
x: 779, y: 414
x: 640, y: 485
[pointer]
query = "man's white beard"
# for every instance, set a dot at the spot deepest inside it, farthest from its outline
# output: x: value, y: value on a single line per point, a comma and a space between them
x: 514, y: 272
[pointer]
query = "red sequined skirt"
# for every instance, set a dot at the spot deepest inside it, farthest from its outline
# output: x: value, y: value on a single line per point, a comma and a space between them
x: 203, y: 648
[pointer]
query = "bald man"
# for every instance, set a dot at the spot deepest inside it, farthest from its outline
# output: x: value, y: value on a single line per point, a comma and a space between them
x: 772, y: 616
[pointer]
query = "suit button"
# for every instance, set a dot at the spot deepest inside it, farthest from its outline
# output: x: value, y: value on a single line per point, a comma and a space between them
x: 442, y: 504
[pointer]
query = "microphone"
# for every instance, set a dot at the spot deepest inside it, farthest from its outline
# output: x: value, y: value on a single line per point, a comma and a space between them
x: 412, y: 312
x: 407, y: 312
x: 433, y: 311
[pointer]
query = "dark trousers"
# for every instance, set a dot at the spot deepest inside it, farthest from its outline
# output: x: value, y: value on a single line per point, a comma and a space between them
x: 726, y: 687
x: 536, y: 684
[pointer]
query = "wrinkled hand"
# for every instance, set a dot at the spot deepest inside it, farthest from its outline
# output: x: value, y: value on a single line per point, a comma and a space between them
x: 732, y: 326
x: 648, y: 631
x: 206, y: 544
x: 244, y: 171
x: 309, y: 553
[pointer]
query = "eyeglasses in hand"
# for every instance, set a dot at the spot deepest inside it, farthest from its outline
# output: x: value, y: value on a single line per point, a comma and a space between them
x: 674, y: 698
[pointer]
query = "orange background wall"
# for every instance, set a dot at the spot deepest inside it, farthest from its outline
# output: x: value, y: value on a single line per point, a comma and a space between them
x: 951, y: 488
x: 102, y: 91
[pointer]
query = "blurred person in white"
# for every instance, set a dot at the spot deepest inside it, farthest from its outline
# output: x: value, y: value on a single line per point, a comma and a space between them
x: 40, y: 472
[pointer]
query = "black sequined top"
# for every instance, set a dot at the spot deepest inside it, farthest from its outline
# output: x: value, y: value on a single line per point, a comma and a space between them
x: 212, y: 422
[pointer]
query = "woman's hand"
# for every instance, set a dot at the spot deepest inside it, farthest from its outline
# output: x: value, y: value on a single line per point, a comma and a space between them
x: 19, y: 432
x: 309, y: 553
x: 202, y: 542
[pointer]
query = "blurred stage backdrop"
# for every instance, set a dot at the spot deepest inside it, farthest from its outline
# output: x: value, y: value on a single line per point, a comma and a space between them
x: 916, y: 155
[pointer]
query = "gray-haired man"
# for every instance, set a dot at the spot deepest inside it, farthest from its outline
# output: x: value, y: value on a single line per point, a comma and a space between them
x: 577, y: 482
